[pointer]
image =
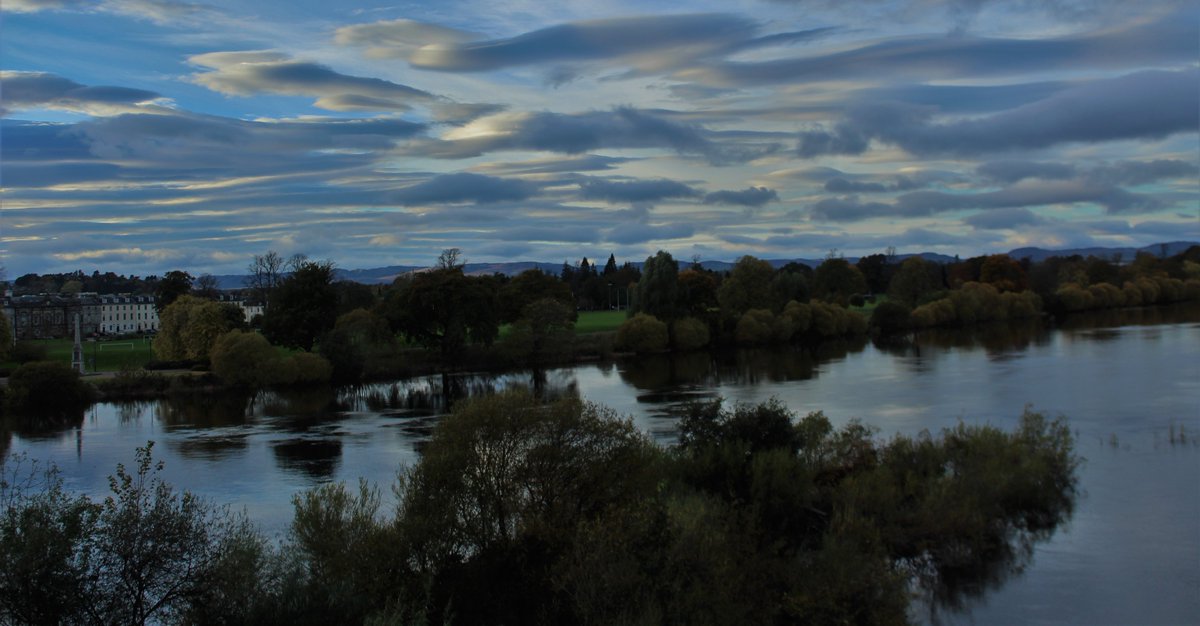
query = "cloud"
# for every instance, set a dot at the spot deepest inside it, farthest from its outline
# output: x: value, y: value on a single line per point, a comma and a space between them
x: 1144, y: 105
x: 160, y: 11
x: 750, y: 196
x: 24, y: 90
x: 624, y: 127
x: 590, y: 162
x: 634, y: 191
x: 1142, y: 172
x: 1012, y: 171
x: 1002, y: 219
x: 266, y: 72
x: 1166, y: 41
x: 659, y: 39
x: 398, y: 38
x: 1041, y: 193
x: 465, y: 187
x: 633, y: 232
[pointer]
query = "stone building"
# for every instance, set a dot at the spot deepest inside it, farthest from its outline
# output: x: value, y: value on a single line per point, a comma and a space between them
x: 51, y: 316
x: 124, y: 314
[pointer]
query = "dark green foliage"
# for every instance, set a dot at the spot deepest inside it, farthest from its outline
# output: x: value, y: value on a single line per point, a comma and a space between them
x: 835, y: 280
x: 47, y: 390
x: 528, y: 287
x: 360, y: 344
x: 26, y: 351
x: 144, y: 554
x: 303, y: 307
x: 443, y: 310
x: 171, y: 287
x: 523, y: 512
x: 914, y: 281
x: 544, y: 333
x: 658, y: 289
x: 690, y: 333
x: 643, y: 334
x: 748, y: 286
x: 889, y: 317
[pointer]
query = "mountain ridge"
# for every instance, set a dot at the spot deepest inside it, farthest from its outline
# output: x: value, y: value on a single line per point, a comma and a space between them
x: 386, y: 274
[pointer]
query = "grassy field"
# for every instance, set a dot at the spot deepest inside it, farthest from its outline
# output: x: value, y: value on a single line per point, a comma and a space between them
x: 598, y: 321
x: 101, y: 356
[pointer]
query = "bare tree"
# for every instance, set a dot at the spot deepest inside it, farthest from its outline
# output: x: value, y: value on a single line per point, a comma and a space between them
x: 450, y: 258
x: 207, y: 287
x: 265, y: 274
x: 296, y: 261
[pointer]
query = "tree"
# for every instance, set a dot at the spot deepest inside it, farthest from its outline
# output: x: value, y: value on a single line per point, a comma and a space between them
x: 748, y: 286
x: 6, y: 337
x: 643, y: 333
x: 835, y: 280
x: 788, y: 286
x: 451, y: 258
x: 528, y: 287
x: 264, y: 275
x: 1004, y: 274
x: 243, y: 358
x: 914, y: 280
x: 697, y: 292
x: 47, y: 389
x: 188, y: 328
x: 504, y: 486
x: 877, y: 269
x: 443, y: 310
x: 174, y: 285
x: 544, y: 331
x: 207, y: 287
x: 357, y: 339
x: 658, y: 289
x: 304, y: 306
x: 611, y: 266
x: 145, y: 554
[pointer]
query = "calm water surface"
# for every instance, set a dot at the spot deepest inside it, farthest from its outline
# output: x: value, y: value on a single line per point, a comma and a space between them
x: 1129, y: 555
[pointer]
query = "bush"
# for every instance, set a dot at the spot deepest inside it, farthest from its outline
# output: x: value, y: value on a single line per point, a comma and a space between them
x: 308, y: 368
x: 890, y: 317
x: 133, y: 383
x: 27, y: 351
x: 754, y: 327
x: 243, y: 358
x: 690, y: 334
x: 48, y: 389
x: 642, y: 333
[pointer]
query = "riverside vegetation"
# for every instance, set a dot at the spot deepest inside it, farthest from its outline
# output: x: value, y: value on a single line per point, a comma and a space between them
x: 520, y: 511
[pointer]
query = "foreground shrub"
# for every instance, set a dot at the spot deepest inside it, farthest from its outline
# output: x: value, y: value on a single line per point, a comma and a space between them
x: 47, y: 389
x: 690, y: 334
x: 243, y: 359
x: 144, y: 554
x: 754, y: 327
x: 890, y: 317
x: 642, y: 333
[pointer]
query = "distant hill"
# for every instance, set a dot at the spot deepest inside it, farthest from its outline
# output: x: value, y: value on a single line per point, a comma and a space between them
x: 1158, y: 249
x: 385, y: 275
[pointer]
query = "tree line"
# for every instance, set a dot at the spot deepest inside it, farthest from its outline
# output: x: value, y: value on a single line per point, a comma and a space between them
x: 527, y: 512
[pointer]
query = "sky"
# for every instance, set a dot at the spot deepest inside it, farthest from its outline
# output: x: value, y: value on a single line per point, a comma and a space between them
x: 140, y: 136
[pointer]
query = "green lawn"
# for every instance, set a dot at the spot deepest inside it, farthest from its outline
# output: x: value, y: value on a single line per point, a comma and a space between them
x: 869, y: 307
x: 598, y: 321
x: 102, y: 356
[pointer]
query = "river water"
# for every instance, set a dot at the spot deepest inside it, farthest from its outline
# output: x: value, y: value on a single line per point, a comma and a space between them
x: 1129, y: 384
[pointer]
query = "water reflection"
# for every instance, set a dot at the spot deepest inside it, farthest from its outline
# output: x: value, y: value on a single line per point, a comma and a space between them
x: 316, y: 458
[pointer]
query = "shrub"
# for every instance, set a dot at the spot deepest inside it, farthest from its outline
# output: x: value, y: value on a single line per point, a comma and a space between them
x: 27, y: 351
x: 690, y: 334
x: 642, y: 333
x: 309, y: 368
x: 800, y: 314
x: 754, y: 327
x: 243, y: 358
x: 47, y: 389
x: 890, y: 317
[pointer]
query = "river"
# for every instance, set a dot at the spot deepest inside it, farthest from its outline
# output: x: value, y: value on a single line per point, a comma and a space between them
x: 1129, y: 384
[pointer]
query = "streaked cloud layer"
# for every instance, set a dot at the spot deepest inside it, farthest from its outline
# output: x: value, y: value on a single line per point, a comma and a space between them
x: 148, y: 135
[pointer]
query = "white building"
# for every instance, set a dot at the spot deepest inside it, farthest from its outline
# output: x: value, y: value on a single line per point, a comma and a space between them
x: 124, y: 314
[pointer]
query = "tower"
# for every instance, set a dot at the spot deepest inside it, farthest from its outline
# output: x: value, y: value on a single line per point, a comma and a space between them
x: 77, y: 351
